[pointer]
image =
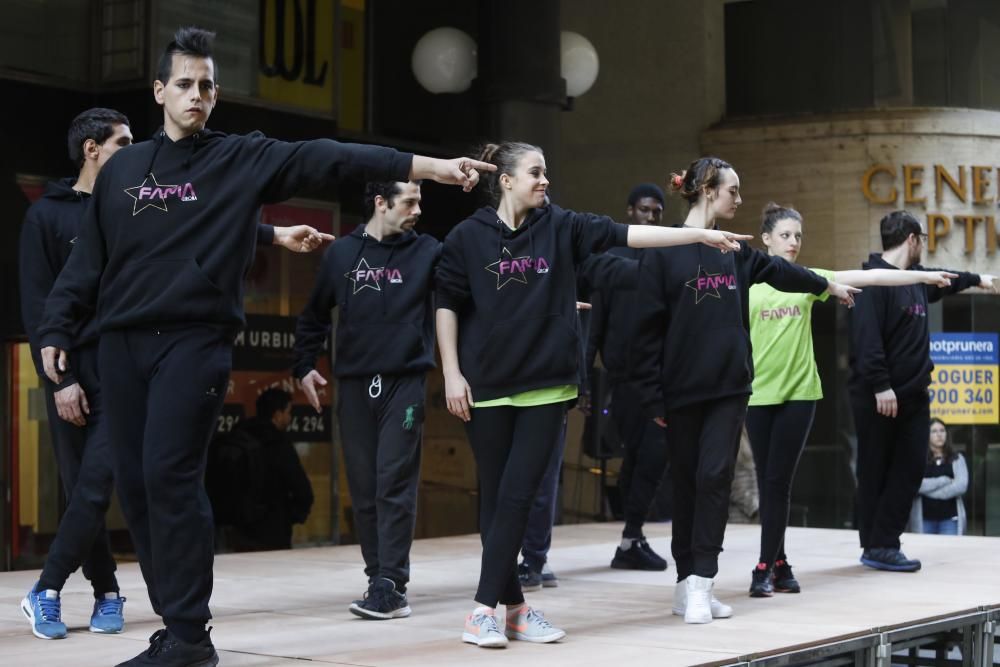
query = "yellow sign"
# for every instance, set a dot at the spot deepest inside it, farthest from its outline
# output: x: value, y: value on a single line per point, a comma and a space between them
x: 297, y: 65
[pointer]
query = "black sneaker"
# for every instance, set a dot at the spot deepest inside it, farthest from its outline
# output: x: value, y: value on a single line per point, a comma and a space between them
x: 784, y: 580
x: 760, y: 584
x: 640, y: 556
x: 381, y: 602
x: 166, y: 650
x: 530, y: 580
x: 887, y: 558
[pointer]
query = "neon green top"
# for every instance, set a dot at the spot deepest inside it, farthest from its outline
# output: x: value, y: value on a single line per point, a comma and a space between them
x: 527, y: 399
x: 781, y: 335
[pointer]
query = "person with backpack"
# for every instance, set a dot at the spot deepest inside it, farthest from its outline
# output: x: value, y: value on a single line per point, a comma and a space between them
x: 256, y: 481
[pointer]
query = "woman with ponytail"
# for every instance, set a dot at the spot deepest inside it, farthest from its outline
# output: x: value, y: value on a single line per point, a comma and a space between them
x: 786, y: 386
x: 694, y: 370
x: 506, y: 326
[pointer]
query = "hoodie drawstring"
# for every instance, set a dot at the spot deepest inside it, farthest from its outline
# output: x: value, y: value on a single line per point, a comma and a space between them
x: 158, y: 142
x: 191, y: 149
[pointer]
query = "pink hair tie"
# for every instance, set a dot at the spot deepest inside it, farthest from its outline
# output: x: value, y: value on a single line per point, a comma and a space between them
x: 678, y: 181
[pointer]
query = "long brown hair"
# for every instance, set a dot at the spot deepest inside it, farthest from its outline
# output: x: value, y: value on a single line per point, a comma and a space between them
x: 949, y: 453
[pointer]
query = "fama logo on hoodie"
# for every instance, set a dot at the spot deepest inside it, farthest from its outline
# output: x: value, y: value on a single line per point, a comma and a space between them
x: 707, y: 284
x: 514, y: 269
x: 149, y: 193
x: 371, y: 276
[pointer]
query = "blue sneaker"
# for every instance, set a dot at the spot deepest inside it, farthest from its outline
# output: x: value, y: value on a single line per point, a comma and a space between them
x: 109, y: 614
x: 43, y: 610
x: 889, y: 559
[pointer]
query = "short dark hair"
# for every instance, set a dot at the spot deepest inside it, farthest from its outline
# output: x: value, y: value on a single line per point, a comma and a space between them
x: 897, y: 227
x: 97, y: 124
x: 385, y: 189
x: 188, y: 41
x: 644, y: 190
x: 272, y: 400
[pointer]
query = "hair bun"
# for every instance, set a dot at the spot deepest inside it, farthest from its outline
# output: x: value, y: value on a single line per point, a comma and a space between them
x: 487, y: 152
x: 677, y: 181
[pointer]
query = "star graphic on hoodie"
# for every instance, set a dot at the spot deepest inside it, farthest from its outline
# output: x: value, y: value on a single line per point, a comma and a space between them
x: 512, y: 275
x: 710, y: 289
x: 156, y: 202
x: 365, y: 276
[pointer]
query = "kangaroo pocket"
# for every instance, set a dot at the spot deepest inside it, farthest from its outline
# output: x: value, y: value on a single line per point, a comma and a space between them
x: 163, y: 290
x: 378, y: 347
x: 716, y: 360
x: 520, y: 351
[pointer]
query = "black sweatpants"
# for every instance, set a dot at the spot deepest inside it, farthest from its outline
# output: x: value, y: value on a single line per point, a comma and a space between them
x: 645, y: 458
x: 777, y: 437
x: 512, y: 447
x: 891, y: 457
x: 704, y: 439
x: 163, y: 390
x: 84, y: 460
x: 381, y: 425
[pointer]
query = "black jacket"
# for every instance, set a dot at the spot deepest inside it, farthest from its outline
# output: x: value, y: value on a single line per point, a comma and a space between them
x: 171, y: 228
x: 384, y: 291
x: 49, y: 233
x: 612, y: 316
x: 693, y: 321
x: 515, y: 295
x: 890, y: 339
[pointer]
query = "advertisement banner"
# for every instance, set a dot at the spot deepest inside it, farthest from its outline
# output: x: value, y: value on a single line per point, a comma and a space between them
x: 964, y: 384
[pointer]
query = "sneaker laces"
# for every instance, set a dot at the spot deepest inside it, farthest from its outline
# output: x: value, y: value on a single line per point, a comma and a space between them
x: 49, y: 608
x: 486, y: 622
x: 110, y: 606
x: 536, y: 617
x: 157, y: 643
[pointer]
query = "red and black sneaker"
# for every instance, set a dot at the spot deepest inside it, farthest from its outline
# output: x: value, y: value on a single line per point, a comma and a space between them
x: 760, y: 585
x: 784, y: 580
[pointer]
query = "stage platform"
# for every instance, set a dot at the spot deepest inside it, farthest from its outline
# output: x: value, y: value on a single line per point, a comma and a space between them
x: 290, y: 608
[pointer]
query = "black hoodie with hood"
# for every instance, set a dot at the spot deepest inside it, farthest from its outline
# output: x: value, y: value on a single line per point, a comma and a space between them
x: 515, y: 295
x: 890, y: 339
x: 48, y: 235
x: 171, y: 229
x: 693, y: 321
x: 384, y: 290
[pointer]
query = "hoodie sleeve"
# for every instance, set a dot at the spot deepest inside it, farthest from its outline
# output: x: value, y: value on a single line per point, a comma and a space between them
x: 651, y: 322
x: 265, y: 234
x: 313, y: 326
x: 37, y: 275
x: 779, y: 273
x: 964, y: 281
x: 867, y: 348
x: 74, y: 294
x: 451, y: 278
x: 282, y: 169
x: 595, y: 233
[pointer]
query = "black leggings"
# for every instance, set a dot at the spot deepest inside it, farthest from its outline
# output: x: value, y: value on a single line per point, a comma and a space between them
x: 512, y: 447
x: 777, y: 437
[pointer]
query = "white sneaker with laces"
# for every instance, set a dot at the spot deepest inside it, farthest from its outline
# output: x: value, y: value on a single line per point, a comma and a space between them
x: 529, y: 625
x: 481, y: 629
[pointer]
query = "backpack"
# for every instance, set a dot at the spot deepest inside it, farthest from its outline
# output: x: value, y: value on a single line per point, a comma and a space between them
x: 236, y: 478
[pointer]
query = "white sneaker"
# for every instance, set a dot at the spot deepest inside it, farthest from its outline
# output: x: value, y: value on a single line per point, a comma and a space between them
x: 481, y: 629
x: 699, y: 599
x: 719, y: 609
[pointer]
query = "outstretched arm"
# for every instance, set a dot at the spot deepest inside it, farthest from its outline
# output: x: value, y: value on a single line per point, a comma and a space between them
x: 649, y: 236
x: 893, y: 277
x: 462, y: 171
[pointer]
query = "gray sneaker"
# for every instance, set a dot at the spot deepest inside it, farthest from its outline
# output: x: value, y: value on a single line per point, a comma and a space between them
x: 531, y: 581
x: 482, y: 630
x: 530, y: 626
x: 549, y: 578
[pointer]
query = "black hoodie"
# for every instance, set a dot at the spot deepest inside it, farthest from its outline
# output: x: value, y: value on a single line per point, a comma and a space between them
x: 384, y: 291
x: 515, y: 295
x: 693, y: 321
x: 49, y: 233
x: 612, y: 315
x: 172, y: 226
x: 890, y: 339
